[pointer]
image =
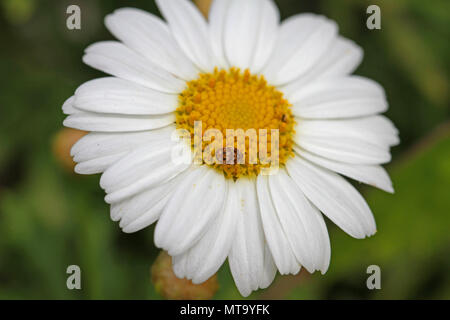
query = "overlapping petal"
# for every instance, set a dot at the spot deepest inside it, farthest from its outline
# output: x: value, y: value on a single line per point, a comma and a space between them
x: 340, y: 60
x: 118, y: 96
x: 303, y: 40
x: 334, y: 196
x: 120, y: 61
x: 190, y: 30
x: 301, y: 222
x: 191, y: 210
x: 247, y: 253
x: 277, y: 241
x: 373, y: 175
x: 151, y: 37
x: 335, y: 98
x: 204, y: 259
x: 153, y: 164
x: 250, y: 33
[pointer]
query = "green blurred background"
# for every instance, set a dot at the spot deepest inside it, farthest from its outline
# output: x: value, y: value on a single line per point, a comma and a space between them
x: 51, y: 218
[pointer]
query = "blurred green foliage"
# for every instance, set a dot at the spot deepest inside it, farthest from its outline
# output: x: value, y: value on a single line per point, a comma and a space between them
x: 50, y: 218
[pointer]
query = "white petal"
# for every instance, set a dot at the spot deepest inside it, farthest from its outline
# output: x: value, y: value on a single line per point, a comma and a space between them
x: 303, y: 224
x: 347, y: 97
x: 68, y: 107
x: 274, y: 233
x: 344, y: 149
x: 356, y: 141
x: 246, y: 257
x: 269, y: 271
x: 118, y: 96
x: 151, y: 37
x: 269, y: 24
x: 341, y: 60
x: 98, y: 165
x: 97, y: 145
x: 190, y: 30
x: 149, y: 217
x: 374, y: 130
x: 128, y: 210
x: 204, y: 259
x: 105, y: 122
x: 141, y: 210
x: 302, y: 41
x: 116, y: 59
x: 217, y: 18
x: 179, y: 264
x: 146, y: 167
x: 369, y: 174
x: 250, y: 33
x: 241, y: 32
x: 334, y: 196
x: 132, y: 208
x: 190, y: 211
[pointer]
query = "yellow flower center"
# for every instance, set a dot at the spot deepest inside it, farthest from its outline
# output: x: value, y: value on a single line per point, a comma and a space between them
x: 254, y: 119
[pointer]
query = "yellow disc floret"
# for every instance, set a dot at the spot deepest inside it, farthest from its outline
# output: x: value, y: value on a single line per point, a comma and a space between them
x: 232, y: 101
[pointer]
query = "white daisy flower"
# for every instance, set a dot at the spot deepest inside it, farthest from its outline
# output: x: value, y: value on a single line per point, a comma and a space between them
x: 241, y: 69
